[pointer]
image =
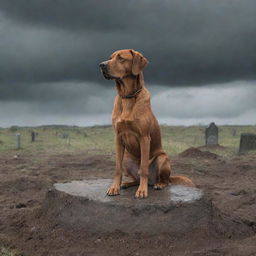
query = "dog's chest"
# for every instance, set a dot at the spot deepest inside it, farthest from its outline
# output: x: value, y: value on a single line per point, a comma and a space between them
x: 124, y: 126
x: 129, y: 132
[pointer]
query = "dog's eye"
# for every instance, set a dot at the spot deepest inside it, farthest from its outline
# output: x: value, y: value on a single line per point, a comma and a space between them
x: 121, y: 59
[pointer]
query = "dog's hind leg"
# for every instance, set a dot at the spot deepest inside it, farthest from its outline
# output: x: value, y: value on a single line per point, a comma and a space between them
x: 163, y: 166
x: 131, y: 168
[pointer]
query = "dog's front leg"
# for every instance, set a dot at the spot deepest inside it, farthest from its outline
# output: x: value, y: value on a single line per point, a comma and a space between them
x: 115, y: 187
x: 142, y: 191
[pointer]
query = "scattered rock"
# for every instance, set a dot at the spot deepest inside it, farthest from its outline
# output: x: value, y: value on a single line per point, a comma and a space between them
x: 97, y: 241
x: 33, y: 229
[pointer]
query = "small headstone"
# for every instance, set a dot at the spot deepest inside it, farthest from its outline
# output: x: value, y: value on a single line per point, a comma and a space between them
x: 33, y: 136
x: 18, y: 141
x: 211, y: 135
x: 247, y: 142
x: 234, y: 132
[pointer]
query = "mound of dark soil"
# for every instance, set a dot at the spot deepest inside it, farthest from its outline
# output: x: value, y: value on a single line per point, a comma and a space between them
x: 197, y: 153
x: 213, y: 147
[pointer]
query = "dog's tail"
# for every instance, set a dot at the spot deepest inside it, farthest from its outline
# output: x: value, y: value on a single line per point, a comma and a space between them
x: 181, y: 180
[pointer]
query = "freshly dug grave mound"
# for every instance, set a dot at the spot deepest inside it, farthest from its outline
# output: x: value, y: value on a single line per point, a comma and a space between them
x: 83, y: 205
x: 197, y: 153
x: 213, y: 147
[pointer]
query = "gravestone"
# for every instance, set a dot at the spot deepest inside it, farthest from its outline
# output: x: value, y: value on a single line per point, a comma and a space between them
x: 18, y: 141
x: 247, y: 142
x: 33, y: 136
x: 211, y: 135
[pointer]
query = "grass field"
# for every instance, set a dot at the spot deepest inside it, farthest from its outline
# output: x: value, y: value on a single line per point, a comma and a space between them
x: 99, y: 139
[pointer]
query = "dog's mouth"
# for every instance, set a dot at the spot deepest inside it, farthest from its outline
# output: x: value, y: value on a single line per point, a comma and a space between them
x: 108, y: 76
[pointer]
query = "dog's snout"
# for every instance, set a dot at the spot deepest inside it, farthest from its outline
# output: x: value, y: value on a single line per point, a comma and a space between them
x: 103, y: 65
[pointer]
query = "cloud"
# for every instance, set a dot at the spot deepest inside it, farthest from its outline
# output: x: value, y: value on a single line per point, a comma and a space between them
x: 32, y: 54
x: 225, y: 101
x: 50, y: 51
x: 187, y: 42
x: 31, y: 114
x: 91, y: 103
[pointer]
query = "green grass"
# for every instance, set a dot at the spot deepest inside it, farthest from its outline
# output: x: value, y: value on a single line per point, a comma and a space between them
x: 53, y: 139
x: 100, y: 140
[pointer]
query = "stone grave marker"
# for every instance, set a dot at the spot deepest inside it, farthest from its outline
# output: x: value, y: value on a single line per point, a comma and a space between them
x: 33, y: 136
x: 18, y: 141
x: 247, y: 142
x: 211, y: 135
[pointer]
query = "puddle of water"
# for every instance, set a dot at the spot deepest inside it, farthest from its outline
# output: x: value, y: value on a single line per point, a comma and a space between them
x: 96, y: 190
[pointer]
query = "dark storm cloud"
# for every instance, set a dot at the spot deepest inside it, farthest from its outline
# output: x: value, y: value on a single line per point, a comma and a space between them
x: 187, y: 42
x: 89, y: 104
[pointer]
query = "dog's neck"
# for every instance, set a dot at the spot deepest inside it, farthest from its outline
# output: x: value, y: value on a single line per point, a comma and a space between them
x: 129, y: 86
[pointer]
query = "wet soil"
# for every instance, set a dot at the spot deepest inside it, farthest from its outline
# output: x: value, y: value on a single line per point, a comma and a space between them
x: 25, y: 180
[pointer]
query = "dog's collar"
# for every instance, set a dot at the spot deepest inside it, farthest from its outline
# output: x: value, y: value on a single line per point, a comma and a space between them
x: 130, y: 96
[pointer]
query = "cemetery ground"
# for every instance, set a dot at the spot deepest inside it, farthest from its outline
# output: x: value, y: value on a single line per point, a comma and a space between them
x: 61, y: 154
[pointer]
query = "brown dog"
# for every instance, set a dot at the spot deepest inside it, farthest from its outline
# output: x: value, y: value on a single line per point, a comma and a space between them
x: 138, y: 140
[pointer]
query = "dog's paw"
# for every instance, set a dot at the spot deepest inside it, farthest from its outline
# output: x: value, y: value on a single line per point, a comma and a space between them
x: 142, y: 192
x: 159, y: 186
x: 113, y: 191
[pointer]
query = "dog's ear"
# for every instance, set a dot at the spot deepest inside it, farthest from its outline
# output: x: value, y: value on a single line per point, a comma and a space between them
x: 138, y: 63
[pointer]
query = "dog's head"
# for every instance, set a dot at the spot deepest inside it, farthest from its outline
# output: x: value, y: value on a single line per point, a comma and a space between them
x: 123, y: 63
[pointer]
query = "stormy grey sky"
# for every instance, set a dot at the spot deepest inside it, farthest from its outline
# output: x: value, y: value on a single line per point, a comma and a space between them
x: 202, y: 59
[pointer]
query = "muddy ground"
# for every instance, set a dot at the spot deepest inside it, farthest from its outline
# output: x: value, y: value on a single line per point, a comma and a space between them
x: 24, y: 181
